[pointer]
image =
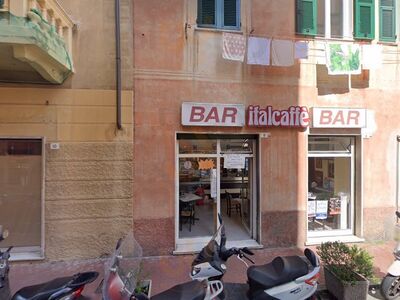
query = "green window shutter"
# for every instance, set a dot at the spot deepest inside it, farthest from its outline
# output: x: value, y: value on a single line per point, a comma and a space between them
x: 230, y: 13
x: 306, y: 17
x: 387, y: 20
x: 1, y: 3
x: 364, y: 19
x: 206, y: 12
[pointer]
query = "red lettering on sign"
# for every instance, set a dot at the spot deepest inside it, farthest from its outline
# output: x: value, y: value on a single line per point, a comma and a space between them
x: 213, y: 115
x: 326, y: 117
x: 353, y: 115
x: 197, y: 114
x: 339, y: 118
x: 229, y: 112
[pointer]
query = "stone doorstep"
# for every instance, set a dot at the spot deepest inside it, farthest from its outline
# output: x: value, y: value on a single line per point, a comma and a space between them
x: 167, y: 271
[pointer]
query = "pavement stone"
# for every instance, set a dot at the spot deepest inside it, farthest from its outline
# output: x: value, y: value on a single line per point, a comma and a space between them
x: 167, y: 271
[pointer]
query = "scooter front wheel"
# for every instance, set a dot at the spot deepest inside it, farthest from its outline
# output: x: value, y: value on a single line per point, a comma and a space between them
x: 390, y: 287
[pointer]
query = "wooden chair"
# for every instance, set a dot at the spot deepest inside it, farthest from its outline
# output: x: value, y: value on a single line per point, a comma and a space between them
x: 186, y: 212
x: 233, y: 204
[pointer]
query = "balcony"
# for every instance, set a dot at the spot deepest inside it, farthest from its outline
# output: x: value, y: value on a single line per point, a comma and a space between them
x: 35, y: 42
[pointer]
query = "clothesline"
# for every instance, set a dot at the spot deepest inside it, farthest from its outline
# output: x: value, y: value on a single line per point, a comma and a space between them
x: 305, y: 38
x: 339, y: 57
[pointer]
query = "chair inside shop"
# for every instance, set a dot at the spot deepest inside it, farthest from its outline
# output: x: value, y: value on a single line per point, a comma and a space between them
x: 234, y: 204
x: 186, y: 214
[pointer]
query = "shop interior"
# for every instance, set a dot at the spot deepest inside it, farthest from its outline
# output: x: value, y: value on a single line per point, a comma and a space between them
x: 198, y: 199
x: 329, y: 193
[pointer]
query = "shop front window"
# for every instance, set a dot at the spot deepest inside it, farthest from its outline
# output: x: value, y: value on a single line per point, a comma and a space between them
x: 330, y: 186
x: 21, y: 192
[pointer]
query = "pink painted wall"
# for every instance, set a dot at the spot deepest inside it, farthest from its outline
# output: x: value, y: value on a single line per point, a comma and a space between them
x: 173, y: 66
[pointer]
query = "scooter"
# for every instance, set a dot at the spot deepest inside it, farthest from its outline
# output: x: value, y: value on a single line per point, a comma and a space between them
x: 66, y: 288
x: 123, y: 272
x: 287, y: 277
x: 390, y: 285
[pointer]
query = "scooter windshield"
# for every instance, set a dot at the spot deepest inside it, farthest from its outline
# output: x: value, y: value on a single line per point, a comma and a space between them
x: 123, y: 270
x: 213, y: 248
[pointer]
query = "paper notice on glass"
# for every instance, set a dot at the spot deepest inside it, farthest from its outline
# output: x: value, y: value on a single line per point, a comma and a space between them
x: 311, y: 208
x: 322, y: 210
x: 234, y: 161
x: 213, y: 183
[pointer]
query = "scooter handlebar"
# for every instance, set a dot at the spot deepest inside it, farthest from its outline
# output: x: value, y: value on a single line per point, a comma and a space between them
x: 247, y: 251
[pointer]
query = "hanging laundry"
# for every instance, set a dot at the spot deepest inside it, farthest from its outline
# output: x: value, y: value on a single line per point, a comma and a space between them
x: 371, y: 57
x: 233, y: 46
x: 282, y: 53
x: 301, y: 50
x: 343, y: 58
x: 258, y: 51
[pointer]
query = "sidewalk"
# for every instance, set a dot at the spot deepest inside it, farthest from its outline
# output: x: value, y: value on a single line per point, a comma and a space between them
x: 167, y: 271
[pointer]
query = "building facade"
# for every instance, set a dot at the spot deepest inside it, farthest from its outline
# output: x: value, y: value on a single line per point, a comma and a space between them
x: 65, y: 168
x: 288, y: 151
x: 289, y: 155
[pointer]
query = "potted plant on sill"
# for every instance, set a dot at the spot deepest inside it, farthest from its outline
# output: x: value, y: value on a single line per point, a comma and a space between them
x: 347, y: 270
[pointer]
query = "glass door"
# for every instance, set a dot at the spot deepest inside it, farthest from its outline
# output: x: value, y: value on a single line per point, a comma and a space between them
x: 236, y: 186
x: 198, y: 198
x: 215, y: 175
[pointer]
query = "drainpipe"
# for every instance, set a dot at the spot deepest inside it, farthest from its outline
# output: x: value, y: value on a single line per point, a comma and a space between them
x: 397, y: 174
x: 118, y: 61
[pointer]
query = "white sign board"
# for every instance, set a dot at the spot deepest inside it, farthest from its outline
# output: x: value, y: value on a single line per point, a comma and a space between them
x: 213, y: 183
x: 339, y: 117
x: 234, y: 161
x: 213, y: 114
x: 322, y: 210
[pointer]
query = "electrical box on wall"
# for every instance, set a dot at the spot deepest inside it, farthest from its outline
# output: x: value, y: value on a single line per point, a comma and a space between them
x: 54, y: 146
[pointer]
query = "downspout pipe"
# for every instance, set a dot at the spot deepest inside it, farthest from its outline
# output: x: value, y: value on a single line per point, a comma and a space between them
x: 397, y: 174
x: 118, y: 60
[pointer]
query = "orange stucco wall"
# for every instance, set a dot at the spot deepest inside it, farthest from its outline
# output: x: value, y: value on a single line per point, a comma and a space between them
x: 174, y: 65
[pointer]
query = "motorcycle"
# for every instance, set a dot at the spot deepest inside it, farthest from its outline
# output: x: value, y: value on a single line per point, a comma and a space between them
x: 287, y: 277
x: 123, y: 278
x: 65, y: 288
x: 390, y: 285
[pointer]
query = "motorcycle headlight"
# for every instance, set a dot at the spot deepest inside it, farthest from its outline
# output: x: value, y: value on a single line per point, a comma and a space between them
x: 195, y: 270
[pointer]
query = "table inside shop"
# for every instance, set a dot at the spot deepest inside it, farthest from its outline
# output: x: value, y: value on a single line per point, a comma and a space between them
x: 190, y: 197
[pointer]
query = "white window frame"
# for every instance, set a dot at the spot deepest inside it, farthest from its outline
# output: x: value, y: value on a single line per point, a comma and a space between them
x: 188, y: 245
x: 34, y: 252
x: 347, y: 20
x: 327, y: 154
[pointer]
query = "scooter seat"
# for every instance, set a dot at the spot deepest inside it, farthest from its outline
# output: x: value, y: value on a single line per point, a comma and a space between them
x: 281, y: 270
x: 192, y: 290
x: 42, y: 291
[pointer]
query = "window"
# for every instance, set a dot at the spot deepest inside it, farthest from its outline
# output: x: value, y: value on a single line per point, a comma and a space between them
x: 21, y: 192
x: 364, y: 22
x: 327, y: 18
x: 330, y: 186
x: 223, y: 14
x: 387, y: 23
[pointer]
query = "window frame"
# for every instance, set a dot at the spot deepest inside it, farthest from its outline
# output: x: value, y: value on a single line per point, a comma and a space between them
x: 347, y: 24
x: 332, y: 154
x: 219, y: 17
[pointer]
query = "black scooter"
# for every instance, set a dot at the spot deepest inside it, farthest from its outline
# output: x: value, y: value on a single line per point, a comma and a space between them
x: 65, y: 288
